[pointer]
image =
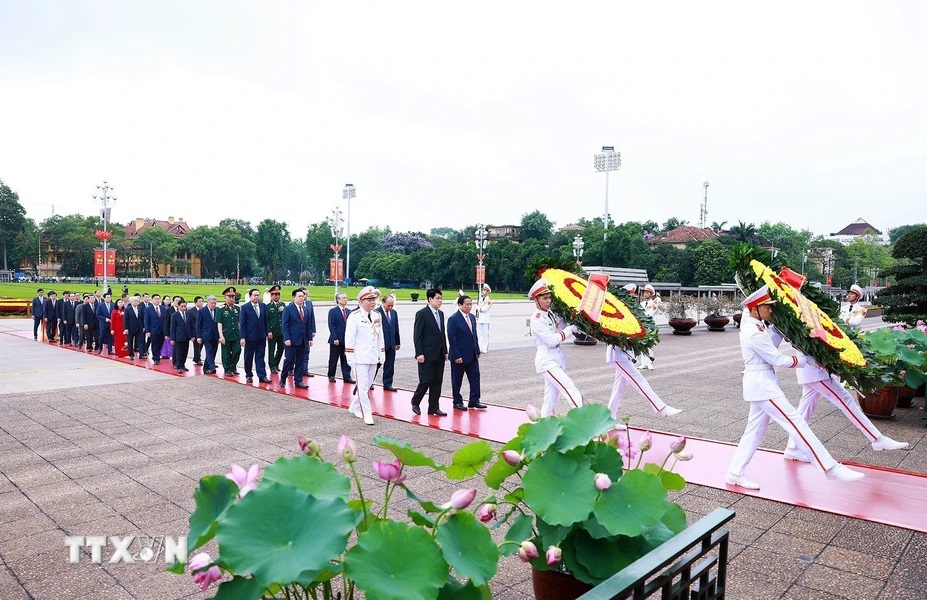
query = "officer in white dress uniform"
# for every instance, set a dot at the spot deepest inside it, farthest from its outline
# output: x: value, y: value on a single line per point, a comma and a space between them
x: 759, y: 349
x: 482, y: 318
x: 364, y: 346
x: 548, y: 332
x: 852, y: 312
x: 627, y: 374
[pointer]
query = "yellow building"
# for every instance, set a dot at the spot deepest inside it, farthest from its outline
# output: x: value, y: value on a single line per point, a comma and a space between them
x: 186, y: 264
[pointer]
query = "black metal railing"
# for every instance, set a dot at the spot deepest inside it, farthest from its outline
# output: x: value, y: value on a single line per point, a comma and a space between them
x: 699, y: 574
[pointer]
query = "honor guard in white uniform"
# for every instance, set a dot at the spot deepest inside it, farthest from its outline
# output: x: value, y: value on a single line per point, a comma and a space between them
x: 482, y: 318
x: 548, y: 332
x: 644, y: 360
x: 852, y: 312
x: 816, y: 383
x: 759, y: 348
x: 627, y: 374
x: 364, y: 347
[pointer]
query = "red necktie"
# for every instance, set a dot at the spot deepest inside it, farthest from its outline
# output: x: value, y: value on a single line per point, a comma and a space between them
x: 300, y: 313
x: 344, y: 313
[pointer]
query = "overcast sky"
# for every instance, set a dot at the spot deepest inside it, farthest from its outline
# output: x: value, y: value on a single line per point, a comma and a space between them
x: 448, y: 114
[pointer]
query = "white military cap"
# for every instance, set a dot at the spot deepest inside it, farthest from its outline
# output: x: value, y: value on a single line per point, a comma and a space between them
x: 757, y: 298
x: 539, y: 288
x: 368, y: 292
x: 649, y: 288
x: 857, y: 289
x: 631, y: 288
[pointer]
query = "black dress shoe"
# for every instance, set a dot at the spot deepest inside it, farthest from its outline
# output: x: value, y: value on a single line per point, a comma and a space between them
x: 476, y: 405
x: 249, y: 379
x: 265, y: 380
x: 390, y: 389
x: 310, y: 374
x: 437, y: 413
x: 302, y: 386
x: 459, y: 407
x: 331, y: 379
x: 197, y: 362
x: 416, y: 410
x: 349, y: 381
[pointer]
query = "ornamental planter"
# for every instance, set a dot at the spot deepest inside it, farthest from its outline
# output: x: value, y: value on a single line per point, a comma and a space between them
x: 682, y: 326
x: 554, y: 585
x: 737, y: 317
x: 906, y: 396
x: 716, y: 322
x: 880, y: 404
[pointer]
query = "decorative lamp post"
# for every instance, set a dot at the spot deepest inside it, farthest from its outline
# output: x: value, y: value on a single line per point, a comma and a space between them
x: 105, y: 198
x: 334, y: 224
x: 607, y: 160
x: 481, y: 235
x: 347, y: 194
x: 578, y: 245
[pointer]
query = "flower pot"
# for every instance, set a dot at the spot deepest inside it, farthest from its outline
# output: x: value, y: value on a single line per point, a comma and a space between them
x: 554, y: 585
x: 880, y: 404
x: 716, y: 322
x: 737, y: 317
x: 906, y: 396
x: 682, y: 326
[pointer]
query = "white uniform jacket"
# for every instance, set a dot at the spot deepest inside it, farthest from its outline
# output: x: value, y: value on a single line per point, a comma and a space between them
x: 549, y: 331
x: 811, y: 372
x: 363, y: 338
x: 482, y: 309
x: 852, y: 314
x: 652, y: 307
x: 616, y: 354
x: 759, y: 349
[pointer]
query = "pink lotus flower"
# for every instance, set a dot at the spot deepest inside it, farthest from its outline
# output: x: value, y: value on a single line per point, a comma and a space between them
x: 602, y: 481
x: 898, y: 328
x: 553, y: 555
x: 678, y: 445
x: 486, y: 512
x: 684, y: 455
x: 527, y: 551
x: 629, y: 455
x: 613, y: 437
x: 246, y: 481
x: 310, y: 447
x: 533, y: 413
x: 645, y: 442
x: 207, y: 577
x: 512, y: 457
x: 389, y: 471
x: 200, y: 561
x: 460, y: 499
x: 347, y: 449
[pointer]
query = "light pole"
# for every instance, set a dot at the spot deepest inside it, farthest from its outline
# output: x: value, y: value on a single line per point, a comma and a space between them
x: 347, y: 194
x: 703, y: 215
x: 334, y: 223
x: 607, y: 160
x: 481, y: 235
x: 578, y: 245
x: 105, y: 198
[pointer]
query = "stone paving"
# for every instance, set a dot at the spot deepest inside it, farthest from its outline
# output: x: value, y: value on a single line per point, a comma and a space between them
x: 91, y: 447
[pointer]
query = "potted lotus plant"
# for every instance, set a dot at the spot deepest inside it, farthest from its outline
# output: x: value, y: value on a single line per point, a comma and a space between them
x: 897, y: 356
x: 714, y: 314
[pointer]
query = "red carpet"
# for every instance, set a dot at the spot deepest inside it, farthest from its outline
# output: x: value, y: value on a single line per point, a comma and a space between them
x: 888, y: 496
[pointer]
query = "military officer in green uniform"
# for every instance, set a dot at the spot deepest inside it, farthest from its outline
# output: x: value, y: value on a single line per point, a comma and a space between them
x: 274, y: 320
x: 229, y: 333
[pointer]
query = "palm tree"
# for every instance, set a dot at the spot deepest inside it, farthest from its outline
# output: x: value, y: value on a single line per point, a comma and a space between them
x: 717, y: 227
x: 743, y: 232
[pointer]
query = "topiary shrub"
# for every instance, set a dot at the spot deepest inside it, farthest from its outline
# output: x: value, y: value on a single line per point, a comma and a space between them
x: 906, y: 300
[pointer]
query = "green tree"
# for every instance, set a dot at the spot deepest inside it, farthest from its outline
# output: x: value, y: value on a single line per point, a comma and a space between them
x: 272, y: 244
x: 12, y: 218
x: 318, y: 250
x: 897, y: 232
x: 243, y: 227
x: 673, y: 223
x: 743, y: 232
x: 158, y: 246
x: 718, y: 227
x: 364, y: 242
x: 72, y: 238
x: 220, y: 249
x: 867, y: 256
x: 711, y: 263
x: 536, y: 226
x: 907, y: 300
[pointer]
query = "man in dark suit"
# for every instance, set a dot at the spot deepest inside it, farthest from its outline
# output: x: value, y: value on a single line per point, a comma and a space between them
x: 207, y: 334
x: 310, y: 312
x: 337, y: 319
x: 134, y: 327
x: 103, y: 313
x: 390, y: 340
x: 59, y: 317
x: 296, y: 339
x: 38, y: 311
x: 67, y: 319
x: 252, y: 323
x: 90, y: 325
x: 192, y: 314
x: 155, y: 327
x: 431, y: 352
x: 51, y: 316
x: 464, y: 353
x: 182, y: 330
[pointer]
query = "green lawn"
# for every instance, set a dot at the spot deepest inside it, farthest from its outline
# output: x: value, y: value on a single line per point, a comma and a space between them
x: 26, y: 291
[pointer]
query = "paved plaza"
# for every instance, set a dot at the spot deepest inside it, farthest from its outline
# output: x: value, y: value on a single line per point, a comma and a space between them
x: 90, y: 446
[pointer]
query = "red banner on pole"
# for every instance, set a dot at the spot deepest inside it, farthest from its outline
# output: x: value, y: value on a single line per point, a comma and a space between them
x: 830, y: 280
x: 336, y: 269
x: 98, y: 263
x: 480, y: 274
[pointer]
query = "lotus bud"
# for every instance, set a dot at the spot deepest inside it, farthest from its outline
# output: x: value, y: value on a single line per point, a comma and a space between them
x: 602, y: 481
x: 512, y: 457
x: 645, y: 443
x: 310, y: 447
x: 391, y: 472
x: 533, y: 413
x: 200, y: 561
x: 460, y: 499
x: 207, y: 577
x: 684, y: 455
x: 553, y: 555
x: 347, y: 449
x: 486, y: 513
x: 678, y: 445
x: 527, y: 551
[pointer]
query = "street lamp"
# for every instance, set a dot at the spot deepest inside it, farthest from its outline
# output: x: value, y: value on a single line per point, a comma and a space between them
x: 334, y: 224
x: 104, y: 197
x: 347, y: 194
x: 481, y: 235
x: 578, y: 245
x: 607, y: 160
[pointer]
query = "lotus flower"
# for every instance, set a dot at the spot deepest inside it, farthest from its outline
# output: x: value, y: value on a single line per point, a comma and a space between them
x: 512, y: 457
x: 527, y: 551
x: 347, y: 449
x: 684, y: 455
x: 246, y: 481
x: 207, y: 577
x: 678, y: 445
x: 553, y: 555
x: 602, y: 481
x: 200, y: 561
x: 533, y: 413
x: 389, y: 471
x: 486, y: 512
x: 310, y: 447
x: 613, y: 437
x: 460, y: 499
x: 645, y: 442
